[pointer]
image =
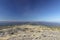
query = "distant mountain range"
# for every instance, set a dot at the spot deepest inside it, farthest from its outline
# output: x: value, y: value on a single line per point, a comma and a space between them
x: 33, y: 23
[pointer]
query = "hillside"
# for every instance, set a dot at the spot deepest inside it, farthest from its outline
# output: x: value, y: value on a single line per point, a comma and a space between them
x: 30, y: 32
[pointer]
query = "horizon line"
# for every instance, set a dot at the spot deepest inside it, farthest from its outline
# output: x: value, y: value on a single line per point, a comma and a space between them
x: 25, y: 21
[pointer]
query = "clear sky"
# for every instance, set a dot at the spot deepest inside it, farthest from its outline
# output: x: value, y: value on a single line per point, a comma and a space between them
x: 30, y: 10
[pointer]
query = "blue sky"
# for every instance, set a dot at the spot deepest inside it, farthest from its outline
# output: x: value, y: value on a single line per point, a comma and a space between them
x: 30, y: 10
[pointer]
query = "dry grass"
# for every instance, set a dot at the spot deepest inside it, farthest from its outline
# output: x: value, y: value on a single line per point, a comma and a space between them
x: 32, y: 30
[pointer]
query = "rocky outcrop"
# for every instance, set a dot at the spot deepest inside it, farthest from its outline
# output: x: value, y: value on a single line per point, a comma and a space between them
x: 28, y: 32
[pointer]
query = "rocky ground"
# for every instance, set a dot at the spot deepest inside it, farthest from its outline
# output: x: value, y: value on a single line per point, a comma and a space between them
x: 29, y: 32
